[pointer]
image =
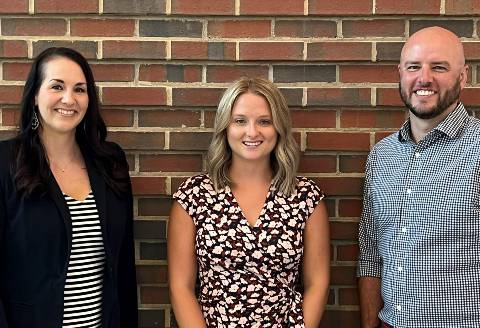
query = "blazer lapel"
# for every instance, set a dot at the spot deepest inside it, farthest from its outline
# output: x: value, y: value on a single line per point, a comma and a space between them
x: 62, y: 207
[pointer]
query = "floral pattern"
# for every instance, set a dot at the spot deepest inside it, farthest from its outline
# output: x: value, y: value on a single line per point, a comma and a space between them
x: 248, y: 273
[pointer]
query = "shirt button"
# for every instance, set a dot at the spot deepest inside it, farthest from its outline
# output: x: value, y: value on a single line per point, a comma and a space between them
x: 399, y: 308
x: 404, y: 229
x: 417, y: 154
x: 400, y: 269
x: 409, y: 191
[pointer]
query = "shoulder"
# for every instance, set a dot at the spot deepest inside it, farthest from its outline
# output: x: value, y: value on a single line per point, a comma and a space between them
x: 7, y: 149
x: 196, y: 183
x: 308, y: 188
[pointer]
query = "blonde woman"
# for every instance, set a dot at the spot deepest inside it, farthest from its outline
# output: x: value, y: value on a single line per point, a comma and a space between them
x: 249, y: 226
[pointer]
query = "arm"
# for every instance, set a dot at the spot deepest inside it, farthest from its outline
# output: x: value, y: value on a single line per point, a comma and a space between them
x: 369, y: 261
x: 3, y: 319
x: 316, y: 266
x: 182, y: 268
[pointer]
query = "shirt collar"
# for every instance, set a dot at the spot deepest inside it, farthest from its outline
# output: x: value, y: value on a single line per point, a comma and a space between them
x: 452, y: 125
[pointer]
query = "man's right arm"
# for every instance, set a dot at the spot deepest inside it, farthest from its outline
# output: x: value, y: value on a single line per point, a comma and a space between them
x: 369, y: 261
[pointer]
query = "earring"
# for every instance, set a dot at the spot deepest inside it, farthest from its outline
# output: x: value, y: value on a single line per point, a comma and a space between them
x: 35, y: 122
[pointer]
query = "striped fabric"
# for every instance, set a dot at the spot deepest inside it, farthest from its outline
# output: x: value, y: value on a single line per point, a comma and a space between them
x: 84, y: 284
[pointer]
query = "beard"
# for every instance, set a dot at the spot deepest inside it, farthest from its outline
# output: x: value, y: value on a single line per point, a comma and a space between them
x: 450, y: 97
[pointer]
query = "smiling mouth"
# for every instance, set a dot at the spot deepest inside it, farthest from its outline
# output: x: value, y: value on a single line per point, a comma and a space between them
x: 424, y: 92
x: 65, y: 112
x: 252, y: 143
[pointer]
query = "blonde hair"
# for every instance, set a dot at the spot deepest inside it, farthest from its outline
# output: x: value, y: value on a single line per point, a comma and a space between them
x: 284, y: 157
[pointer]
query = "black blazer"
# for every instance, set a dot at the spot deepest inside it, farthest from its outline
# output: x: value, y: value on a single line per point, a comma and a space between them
x: 35, y: 241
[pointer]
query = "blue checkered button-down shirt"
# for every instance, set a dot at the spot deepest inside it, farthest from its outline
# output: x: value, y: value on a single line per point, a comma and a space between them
x: 420, y: 226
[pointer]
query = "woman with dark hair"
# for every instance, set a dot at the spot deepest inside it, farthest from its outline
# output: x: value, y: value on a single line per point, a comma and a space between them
x: 66, y: 218
x: 249, y: 226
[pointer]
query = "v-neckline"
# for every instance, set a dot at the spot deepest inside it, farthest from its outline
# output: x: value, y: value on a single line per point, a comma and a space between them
x: 258, y: 221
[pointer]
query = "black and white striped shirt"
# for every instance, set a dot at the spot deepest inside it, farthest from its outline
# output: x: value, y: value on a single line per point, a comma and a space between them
x: 420, y: 227
x: 84, y: 283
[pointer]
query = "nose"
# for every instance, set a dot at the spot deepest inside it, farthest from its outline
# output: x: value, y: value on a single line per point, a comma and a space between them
x: 68, y: 98
x: 252, y: 130
x: 425, y: 75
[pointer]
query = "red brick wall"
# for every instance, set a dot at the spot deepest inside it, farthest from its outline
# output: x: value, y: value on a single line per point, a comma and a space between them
x: 162, y: 64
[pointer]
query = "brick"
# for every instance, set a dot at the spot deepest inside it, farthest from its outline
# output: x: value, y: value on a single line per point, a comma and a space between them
x: 271, y: 7
x: 190, y: 140
x: 153, y: 250
x: 33, y: 26
x: 158, y: 206
x: 131, y: 161
x: 170, y: 73
x: 152, y: 318
x: 470, y: 97
x: 4, y: 135
x: 134, y: 49
x: 352, y: 163
x: 134, y: 96
x: 196, y: 96
x: 462, y: 28
x: 472, y: 50
x: 203, y: 7
x: 379, y: 135
x: 271, y: 50
x: 13, y: 49
x: 102, y: 27
x: 10, y: 94
x: 154, y: 295
x: 14, y: 7
x: 113, y: 72
x: 230, y: 73
x: 348, y: 296
x: 368, y: 73
x: 169, y: 118
x: 305, y: 28
x: 87, y: 48
x: 330, y: 204
x: 372, y: 119
x: 349, y: 207
x: 462, y: 7
x: 117, y: 117
x: 407, y: 7
x: 389, y: 97
x: 10, y: 116
x: 388, y: 51
x: 304, y: 73
x: 171, y: 163
x: 150, y: 229
x: 313, y: 118
x: 61, y: 6
x: 148, y: 185
x: 340, y: 318
x: 176, y: 182
x: 209, y: 118
x: 318, y: 163
x: 14, y: 71
x: 373, y: 28
x: 171, y: 28
x: 338, y: 141
x: 343, y: 275
x: 338, y: 96
x: 347, y: 252
x: 341, y: 186
x: 339, y: 51
x: 200, y: 50
x: 151, y: 274
x: 293, y: 96
x: 134, y: 7
x: 344, y: 230
x: 339, y: 7
x: 239, y: 28
x: 138, y: 140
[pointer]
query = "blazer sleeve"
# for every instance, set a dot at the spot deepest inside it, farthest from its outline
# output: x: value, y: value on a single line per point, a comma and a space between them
x: 3, y: 218
x: 127, y: 281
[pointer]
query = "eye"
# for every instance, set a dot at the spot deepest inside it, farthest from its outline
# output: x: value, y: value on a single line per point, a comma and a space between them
x: 439, y: 68
x: 80, y: 89
x: 239, y: 121
x: 412, y: 68
x: 265, y: 122
x: 57, y: 87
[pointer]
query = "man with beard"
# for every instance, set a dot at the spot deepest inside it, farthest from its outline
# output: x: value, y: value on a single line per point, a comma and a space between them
x: 419, y: 236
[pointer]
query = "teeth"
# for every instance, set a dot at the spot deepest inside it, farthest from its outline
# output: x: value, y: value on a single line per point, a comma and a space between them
x: 65, y: 111
x: 252, y: 143
x: 424, y: 92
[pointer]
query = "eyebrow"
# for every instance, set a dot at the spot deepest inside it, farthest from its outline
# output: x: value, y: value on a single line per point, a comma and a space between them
x: 445, y: 63
x: 62, y: 81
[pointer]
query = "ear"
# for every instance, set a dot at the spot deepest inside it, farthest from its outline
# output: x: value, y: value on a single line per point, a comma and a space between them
x: 464, y: 76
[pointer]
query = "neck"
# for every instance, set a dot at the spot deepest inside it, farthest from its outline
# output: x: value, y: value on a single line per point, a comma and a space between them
x: 60, y: 148
x: 250, y: 172
x: 420, y: 127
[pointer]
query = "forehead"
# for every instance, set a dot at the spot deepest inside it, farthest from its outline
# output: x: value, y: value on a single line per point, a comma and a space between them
x: 249, y: 102
x: 430, y: 52
x: 64, y: 69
